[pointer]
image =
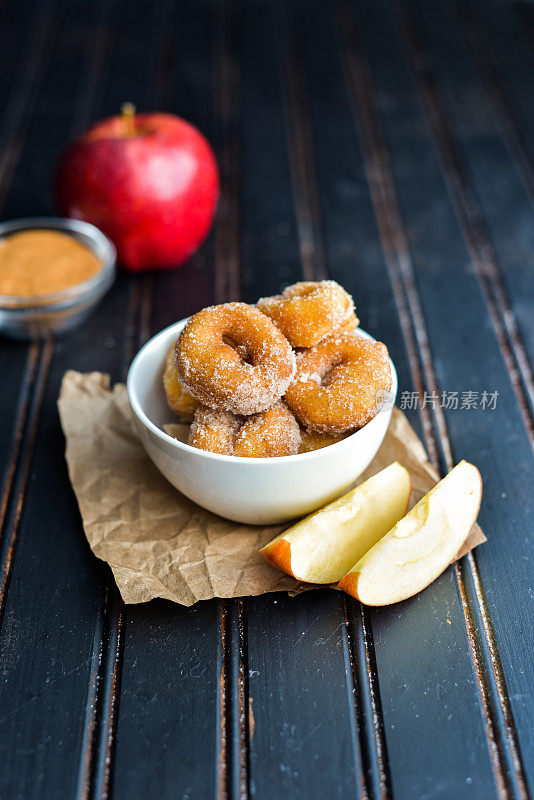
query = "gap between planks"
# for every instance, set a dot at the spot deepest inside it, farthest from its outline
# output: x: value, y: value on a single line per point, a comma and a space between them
x: 370, y: 744
x: 235, y: 720
x: 226, y: 93
x: 18, y: 471
x: 234, y: 702
x: 396, y: 248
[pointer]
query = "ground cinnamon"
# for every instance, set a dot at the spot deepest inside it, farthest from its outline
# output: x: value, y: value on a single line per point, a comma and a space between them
x: 41, y: 262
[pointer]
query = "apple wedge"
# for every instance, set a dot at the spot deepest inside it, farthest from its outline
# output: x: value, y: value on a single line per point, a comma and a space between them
x: 322, y: 547
x: 421, y: 545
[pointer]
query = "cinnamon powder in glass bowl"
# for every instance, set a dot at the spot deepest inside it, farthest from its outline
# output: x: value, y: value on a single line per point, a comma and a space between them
x: 52, y: 273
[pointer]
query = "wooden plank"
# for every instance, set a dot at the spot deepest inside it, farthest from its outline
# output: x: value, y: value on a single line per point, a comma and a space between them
x: 18, y: 360
x: 19, y: 84
x: 172, y: 655
x: 43, y: 698
x: 36, y: 46
x: 49, y: 619
x: 498, y: 93
x: 134, y: 69
x: 300, y: 685
x: 167, y: 724
x: 444, y: 272
x: 187, y: 290
x: 269, y: 240
x: 20, y: 364
x: 353, y: 249
x: 525, y: 21
x: 506, y: 33
x: 503, y: 64
x: 300, y: 144
x: 304, y: 739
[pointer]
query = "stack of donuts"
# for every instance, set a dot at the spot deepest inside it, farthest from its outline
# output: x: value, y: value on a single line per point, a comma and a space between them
x: 287, y: 375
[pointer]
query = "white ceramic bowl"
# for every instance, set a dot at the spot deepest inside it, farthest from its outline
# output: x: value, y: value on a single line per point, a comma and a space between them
x: 257, y: 491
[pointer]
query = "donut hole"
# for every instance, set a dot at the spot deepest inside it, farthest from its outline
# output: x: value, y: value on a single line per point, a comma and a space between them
x: 241, y: 349
x: 304, y: 291
x: 328, y: 374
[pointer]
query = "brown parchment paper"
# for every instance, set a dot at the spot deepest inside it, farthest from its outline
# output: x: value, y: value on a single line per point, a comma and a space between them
x: 156, y: 541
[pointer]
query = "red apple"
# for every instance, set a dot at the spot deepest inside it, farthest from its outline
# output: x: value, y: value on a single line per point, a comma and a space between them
x: 149, y: 181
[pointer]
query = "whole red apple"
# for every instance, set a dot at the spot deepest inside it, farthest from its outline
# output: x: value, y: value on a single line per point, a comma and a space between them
x: 149, y: 181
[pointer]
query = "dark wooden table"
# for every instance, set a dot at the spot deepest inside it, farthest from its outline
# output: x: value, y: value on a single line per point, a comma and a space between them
x: 391, y: 147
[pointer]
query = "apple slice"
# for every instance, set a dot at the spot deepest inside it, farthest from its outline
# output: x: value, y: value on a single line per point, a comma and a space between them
x: 322, y: 547
x: 422, y: 544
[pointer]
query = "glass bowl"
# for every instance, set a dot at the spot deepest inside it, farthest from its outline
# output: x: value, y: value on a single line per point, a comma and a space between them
x: 54, y: 314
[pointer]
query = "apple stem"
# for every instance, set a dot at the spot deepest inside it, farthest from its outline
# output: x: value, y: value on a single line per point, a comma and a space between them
x: 128, y: 115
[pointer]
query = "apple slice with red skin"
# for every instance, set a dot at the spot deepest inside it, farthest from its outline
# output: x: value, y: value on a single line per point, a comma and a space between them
x: 322, y: 547
x: 421, y: 546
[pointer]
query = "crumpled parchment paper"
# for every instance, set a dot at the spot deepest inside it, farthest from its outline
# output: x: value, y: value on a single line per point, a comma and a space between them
x: 156, y: 541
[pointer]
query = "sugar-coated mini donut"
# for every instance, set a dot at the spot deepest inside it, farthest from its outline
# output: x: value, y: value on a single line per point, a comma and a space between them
x: 272, y: 433
x: 214, y: 430
x: 179, y: 399
x: 309, y: 311
x: 269, y: 434
x: 233, y: 358
x: 338, y: 383
x: 349, y: 324
x: 312, y: 440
